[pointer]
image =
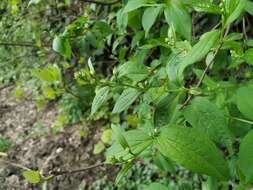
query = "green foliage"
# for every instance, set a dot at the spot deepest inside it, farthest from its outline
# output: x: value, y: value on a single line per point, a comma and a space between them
x: 154, y: 186
x: 249, y: 7
x: 98, y: 148
x: 100, y: 98
x: 5, y: 144
x: 61, y: 45
x: 127, y: 97
x: 199, y: 51
x: 244, y: 158
x: 205, y: 116
x: 193, y: 150
x: 244, y: 102
x: 123, y: 172
x: 176, y: 14
x: 172, y: 78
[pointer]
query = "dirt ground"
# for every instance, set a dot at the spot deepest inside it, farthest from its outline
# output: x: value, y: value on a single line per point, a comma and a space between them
x: 38, y: 149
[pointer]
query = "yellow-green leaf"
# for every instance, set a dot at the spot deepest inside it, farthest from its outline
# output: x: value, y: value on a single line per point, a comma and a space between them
x: 106, y: 136
x: 32, y: 176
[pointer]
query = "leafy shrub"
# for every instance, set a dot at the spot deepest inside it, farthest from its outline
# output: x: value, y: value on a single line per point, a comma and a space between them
x: 172, y: 78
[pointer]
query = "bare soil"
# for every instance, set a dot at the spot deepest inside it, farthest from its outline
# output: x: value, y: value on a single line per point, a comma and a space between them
x: 41, y: 149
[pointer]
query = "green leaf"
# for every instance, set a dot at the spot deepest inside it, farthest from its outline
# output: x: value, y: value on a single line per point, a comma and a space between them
x: 120, y: 136
x: 149, y: 17
x: 134, y: 4
x: 248, y: 56
x: 164, y: 163
x: 122, y: 19
x: 249, y: 7
x: 101, y: 27
x: 205, y: 116
x: 179, y: 18
x: 205, y: 6
x: 245, y: 156
x: 156, y: 186
x: 32, y: 176
x: 136, y: 39
x: 249, y: 43
x: 61, y: 45
x: 98, y: 148
x: 127, y: 97
x: 100, y: 98
x: 33, y: 2
x: 166, y: 111
x: 199, y: 51
x: 133, y: 70
x: 173, y: 65
x: 106, y: 136
x: 244, y: 101
x: 234, y: 9
x: 5, y: 144
x: 123, y: 172
x: 138, y: 140
x: 192, y: 149
x: 211, y: 184
x: 49, y: 74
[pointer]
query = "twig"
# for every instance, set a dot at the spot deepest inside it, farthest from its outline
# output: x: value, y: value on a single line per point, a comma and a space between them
x: 242, y: 120
x: 14, y: 164
x: 244, y: 28
x: 55, y: 173
x: 22, y: 44
x: 100, y: 2
x: 189, y: 98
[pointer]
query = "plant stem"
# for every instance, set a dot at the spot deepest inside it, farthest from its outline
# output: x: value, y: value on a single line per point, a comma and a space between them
x: 242, y: 120
x: 189, y: 98
x: 55, y: 173
x: 14, y: 164
x: 244, y: 28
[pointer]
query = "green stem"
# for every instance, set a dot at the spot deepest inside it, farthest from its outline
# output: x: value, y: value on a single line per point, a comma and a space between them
x: 242, y: 120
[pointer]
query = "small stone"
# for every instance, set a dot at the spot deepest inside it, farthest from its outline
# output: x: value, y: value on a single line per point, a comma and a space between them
x: 59, y: 150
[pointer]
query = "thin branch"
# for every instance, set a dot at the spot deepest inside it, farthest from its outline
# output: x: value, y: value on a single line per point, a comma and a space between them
x: 22, y: 44
x: 55, y: 173
x: 244, y: 28
x: 242, y: 120
x: 101, y: 3
x: 14, y: 164
x: 189, y: 98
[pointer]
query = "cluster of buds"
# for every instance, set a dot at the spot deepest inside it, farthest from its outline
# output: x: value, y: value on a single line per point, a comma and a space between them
x: 84, y: 76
